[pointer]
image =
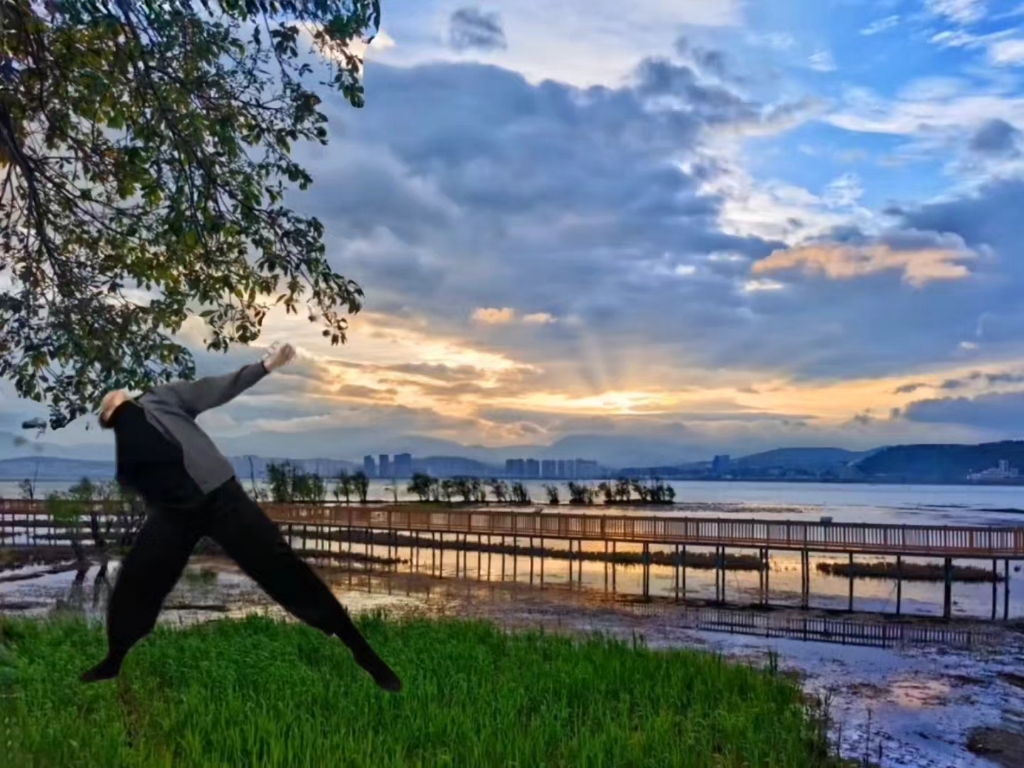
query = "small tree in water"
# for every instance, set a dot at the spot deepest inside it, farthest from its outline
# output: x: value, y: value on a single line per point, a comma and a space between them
x: 519, y: 494
x: 552, y: 492
x: 420, y: 484
x: 361, y: 485
x: 342, y: 487
x: 500, y: 490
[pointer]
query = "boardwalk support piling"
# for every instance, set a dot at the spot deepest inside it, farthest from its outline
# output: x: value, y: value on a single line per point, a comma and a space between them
x: 899, y: 584
x: 849, y: 605
x: 1006, y: 590
x: 947, y: 597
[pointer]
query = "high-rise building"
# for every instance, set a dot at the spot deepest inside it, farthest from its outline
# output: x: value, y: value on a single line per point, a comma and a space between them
x: 515, y: 468
x: 532, y: 468
x: 586, y: 469
x: 721, y: 464
x: 549, y: 469
x: 403, y: 465
x: 561, y: 468
x: 369, y: 467
x: 385, y: 465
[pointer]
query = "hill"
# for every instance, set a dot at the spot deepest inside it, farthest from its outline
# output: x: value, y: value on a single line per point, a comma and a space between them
x: 810, y: 459
x: 49, y: 468
x: 938, y: 463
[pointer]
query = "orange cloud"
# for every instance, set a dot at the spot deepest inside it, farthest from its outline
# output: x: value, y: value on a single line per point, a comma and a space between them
x: 494, y: 316
x: 844, y: 262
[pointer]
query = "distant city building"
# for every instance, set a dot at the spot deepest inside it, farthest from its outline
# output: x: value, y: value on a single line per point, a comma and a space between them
x: 560, y: 471
x: 1001, y: 472
x: 403, y: 465
x: 721, y: 464
x: 369, y: 467
x: 586, y: 469
x: 515, y: 468
x: 532, y: 468
x: 549, y: 469
x: 385, y: 465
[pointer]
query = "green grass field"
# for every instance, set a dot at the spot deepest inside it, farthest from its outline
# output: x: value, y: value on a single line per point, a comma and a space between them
x: 257, y: 692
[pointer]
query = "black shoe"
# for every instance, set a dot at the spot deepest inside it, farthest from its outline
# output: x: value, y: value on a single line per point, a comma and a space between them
x: 107, y: 669
x: 381, y: 673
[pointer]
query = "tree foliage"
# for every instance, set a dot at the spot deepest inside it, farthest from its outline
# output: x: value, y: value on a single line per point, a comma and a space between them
x: 145, y: 153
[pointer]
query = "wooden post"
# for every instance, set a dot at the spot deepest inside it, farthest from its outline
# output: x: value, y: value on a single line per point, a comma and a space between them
x: 684, y: 572
x: 849, y: 605
x: 613, y: 567
x: 899, y: 584
x: 569, y: 557
x: 947, y: 598
x: 606, y: 565
x: 677, y: 573
x: 760, y: 575
x: 647, y: 570
x: 995, y: 586
x: 767, y: 575
x: 1006, y: 590
x: 805, y: 573
x: 721, y: 568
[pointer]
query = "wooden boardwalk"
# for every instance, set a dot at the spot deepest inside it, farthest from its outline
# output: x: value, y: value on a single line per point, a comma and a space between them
x: 935, y: 541
x: 859, y: 538
x: 28, y: 522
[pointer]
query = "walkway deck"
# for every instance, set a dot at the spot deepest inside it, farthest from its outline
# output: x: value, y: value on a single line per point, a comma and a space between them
x: 28, y: 523
x: 857, y: 538
x: 960, y: 542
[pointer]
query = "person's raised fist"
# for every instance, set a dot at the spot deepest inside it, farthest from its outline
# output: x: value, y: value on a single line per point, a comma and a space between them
x: 282, y: 355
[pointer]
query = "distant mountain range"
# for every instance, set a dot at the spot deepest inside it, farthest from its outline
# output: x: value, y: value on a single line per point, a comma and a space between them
x: 938, y: 463
x: 906, y: 463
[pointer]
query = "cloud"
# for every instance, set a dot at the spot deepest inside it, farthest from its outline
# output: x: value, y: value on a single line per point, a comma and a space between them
x: 493, y: 316
x: 472, y: 28
x: 1000, y: 413
x: 845, y: 262
x: 959, y: 11
x: 1007, y: 53
x: 995, y: 137
x: 822, y: 61
x: 880, y: 26
x: 539, y: 318
x: 906, y: 389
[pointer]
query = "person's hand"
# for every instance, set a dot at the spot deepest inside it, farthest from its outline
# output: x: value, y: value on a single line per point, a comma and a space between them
x: 280, y: 356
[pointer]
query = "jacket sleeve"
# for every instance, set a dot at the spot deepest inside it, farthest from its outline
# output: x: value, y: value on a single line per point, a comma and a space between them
x: 200, y: 395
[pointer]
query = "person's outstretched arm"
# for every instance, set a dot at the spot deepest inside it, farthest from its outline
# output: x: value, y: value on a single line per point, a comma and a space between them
x: 200, y: 395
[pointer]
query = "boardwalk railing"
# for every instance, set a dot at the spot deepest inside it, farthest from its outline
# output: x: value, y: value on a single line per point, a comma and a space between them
x: 867, y: 538
x: 858, y: 538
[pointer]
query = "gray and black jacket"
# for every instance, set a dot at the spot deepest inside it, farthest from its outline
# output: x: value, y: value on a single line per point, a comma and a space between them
x: 173, y: 408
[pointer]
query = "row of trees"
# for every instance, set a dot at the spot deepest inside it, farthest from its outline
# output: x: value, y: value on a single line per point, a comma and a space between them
x: 471, y: 489
x: 288, y: 482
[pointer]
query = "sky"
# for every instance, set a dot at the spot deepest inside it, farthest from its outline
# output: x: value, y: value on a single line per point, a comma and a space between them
x: 659, y: 230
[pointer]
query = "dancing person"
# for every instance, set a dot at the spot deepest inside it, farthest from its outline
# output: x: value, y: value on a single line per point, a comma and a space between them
x: 191, y: 491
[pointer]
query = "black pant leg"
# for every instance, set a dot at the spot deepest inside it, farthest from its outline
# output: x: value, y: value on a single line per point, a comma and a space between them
x: 147, y: 575
x: 253, y: 541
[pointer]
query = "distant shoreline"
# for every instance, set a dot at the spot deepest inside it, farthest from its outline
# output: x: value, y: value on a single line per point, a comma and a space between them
x: 1013, y: 483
